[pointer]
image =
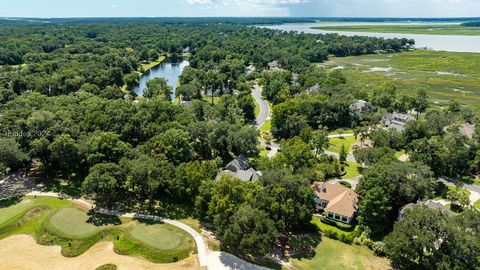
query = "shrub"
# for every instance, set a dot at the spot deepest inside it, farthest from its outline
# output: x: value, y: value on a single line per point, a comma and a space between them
x: 378, y: 248
x: 345, y: 184
x: 342, y: 226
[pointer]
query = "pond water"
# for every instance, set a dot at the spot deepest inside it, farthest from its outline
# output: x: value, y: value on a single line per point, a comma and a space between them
x: 434, y: 42
x: 170, y: 70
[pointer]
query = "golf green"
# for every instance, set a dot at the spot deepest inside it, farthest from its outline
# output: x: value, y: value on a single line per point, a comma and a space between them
x: 162, y: 236
x: 72, y: 223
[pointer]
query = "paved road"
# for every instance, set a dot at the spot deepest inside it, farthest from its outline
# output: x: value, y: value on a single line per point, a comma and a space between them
x: 264, y: 114
x: 224, y: 261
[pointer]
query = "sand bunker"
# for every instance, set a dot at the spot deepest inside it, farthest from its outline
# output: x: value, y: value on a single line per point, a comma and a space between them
x: 22, y: 252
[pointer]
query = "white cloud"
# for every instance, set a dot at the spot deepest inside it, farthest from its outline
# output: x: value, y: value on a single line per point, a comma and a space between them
x: 356, y: 8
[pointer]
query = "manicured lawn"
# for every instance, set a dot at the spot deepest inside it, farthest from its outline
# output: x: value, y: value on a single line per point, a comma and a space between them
x: 267, y: 126
x: 336, y: 143
x: 426, y: 29
x: 477, y: 204
x: 257, y: 108
x: 54, y: 221
x: 335, y: 255
x: 352, y: 170
x: 152, y: 64
x: 445, y: 75
x: 317, y: 222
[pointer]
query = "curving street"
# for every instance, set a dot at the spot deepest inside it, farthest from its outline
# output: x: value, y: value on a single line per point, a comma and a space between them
x: 264, y: 114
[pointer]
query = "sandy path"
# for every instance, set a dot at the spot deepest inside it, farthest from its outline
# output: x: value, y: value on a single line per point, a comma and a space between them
x: 21, y: 252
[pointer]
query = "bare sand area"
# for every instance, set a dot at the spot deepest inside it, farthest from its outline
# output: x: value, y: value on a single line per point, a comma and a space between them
x: 21, y: 252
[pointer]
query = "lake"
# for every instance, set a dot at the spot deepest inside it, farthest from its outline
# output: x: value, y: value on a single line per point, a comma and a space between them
x: 434, y: 42
x: 170, y: 70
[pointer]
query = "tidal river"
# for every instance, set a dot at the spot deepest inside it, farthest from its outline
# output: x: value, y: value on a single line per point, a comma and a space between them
x: 168, y: 69
x: 434, y: 42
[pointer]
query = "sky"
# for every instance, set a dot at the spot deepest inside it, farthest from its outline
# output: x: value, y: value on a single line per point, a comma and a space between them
x: 242, y: 8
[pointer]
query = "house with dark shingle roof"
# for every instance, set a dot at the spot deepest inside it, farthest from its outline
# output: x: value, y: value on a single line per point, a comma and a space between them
x: 361, y: 107
x: 239, y: 168
x: 396, y: 120
x: 337, y: 202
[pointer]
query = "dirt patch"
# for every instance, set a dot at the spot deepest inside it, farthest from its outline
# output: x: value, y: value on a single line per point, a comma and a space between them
x: 22, y: 252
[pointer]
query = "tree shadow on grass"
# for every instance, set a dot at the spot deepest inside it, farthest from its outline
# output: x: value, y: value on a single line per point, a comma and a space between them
x: 4, y: 203
x: 304, y: 246
x: 147, y: 221
x: 98, y: 219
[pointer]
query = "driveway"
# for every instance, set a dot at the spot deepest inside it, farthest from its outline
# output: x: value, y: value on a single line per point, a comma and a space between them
x: 224, y: 261
x: 474, y: 189
x: 264, y: 114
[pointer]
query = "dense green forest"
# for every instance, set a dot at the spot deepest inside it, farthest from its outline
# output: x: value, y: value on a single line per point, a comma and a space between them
x: 67, y: 113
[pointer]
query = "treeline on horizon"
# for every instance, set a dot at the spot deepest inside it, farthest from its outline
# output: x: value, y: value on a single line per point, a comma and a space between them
x: 466, y: 21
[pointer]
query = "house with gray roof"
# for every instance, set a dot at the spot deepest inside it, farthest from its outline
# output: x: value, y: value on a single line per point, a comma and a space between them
x: 239, y: 168
x: 361, y: 107
x: 429, y: 203
x: 467, y: 130
x: 396, y: 120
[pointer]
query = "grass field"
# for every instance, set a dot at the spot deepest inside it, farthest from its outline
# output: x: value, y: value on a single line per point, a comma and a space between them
x: 58, y: 222
x: 147, y: 66
x: 426, y: 29
x: 336, y: 143
x: 445, y: 75
x: 335, y: 255
x: 352, y: 170
x: 477, y: 204
x: 257, y: 108
x: 267, y: 126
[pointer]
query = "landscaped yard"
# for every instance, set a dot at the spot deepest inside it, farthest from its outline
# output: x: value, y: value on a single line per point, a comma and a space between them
x: 352, y: 170
x: 335, y: 255
x: 267, y: 126
x: 477, y: 204
x: 336, y: 143
x: 54, y: 221
x: 339, y: 230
